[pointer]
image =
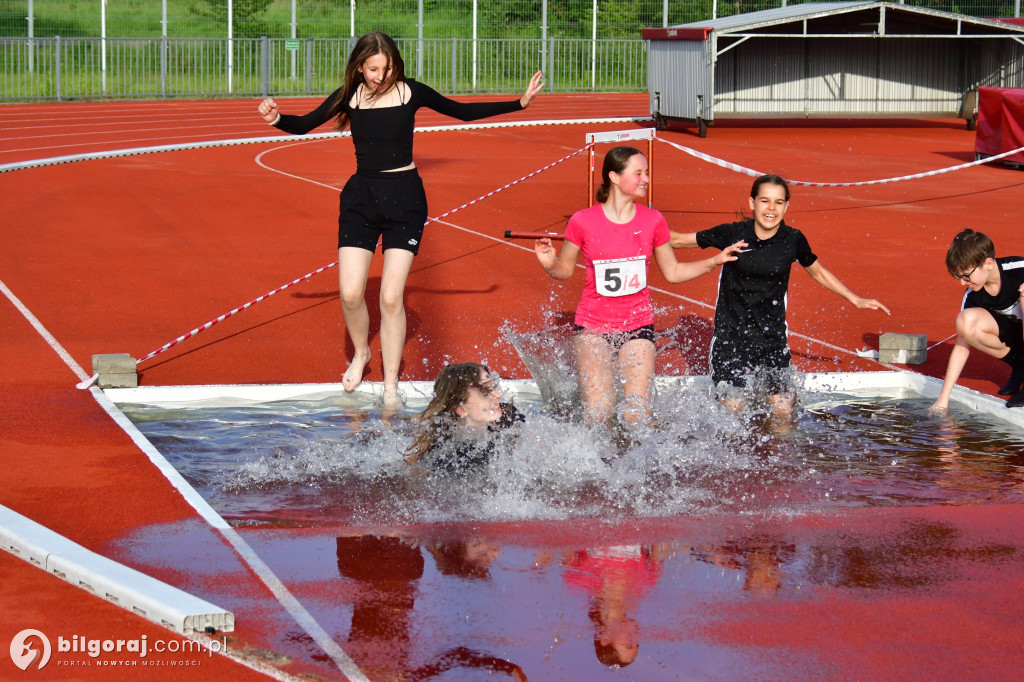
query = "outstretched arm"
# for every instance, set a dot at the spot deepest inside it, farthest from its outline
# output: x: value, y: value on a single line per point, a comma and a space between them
x: 269, y: 110
x: 826, y: 279
x: 676, y: 272
x: 957, y: 360
x: 535, y: 86
x: 560, y: 266
x: 299, y: 125
x: 683, y: 240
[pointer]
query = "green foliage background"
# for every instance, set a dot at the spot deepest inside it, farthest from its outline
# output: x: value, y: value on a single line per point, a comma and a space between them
x: 442, y: 18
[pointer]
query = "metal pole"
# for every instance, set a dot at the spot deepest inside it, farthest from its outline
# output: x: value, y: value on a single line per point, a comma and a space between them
x: 543, y: 34
x: 474, y: 46
x: 293, y: 52
x: 352, y: 19
x: 650, y: 171
x: 419, y: 39
x: 58, y: 50
x: 593, y: 50
x: 31, y: 34
x: 103, y: 46
x: 664, y: 14
x: 163, y: 49
x: 231, y: 46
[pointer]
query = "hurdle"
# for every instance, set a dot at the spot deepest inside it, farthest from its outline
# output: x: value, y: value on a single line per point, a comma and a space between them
x: 622, y: 136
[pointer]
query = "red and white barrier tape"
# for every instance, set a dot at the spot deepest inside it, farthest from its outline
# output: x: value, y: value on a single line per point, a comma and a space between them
x: 228, y: 314
x: 240, y: 308
x: 753, y: 173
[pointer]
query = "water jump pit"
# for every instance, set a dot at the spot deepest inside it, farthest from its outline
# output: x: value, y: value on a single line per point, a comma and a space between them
x: 684, y: 553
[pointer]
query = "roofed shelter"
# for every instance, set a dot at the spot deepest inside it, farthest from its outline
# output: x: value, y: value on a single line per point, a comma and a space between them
x: 830, y: 60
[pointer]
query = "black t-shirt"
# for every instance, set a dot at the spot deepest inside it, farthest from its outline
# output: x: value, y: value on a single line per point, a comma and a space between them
x: 752, y: 291
x: 383, y: 136
x: 1007, y: 301
x: 459, y: 455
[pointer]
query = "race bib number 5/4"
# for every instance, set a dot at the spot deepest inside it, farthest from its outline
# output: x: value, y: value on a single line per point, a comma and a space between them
x: 620, y: 276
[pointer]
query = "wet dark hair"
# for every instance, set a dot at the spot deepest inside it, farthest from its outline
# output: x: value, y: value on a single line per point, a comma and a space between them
x: 615, y: 161
x: 768, y: 180
x: 367, y: 46
x: 969, y: 250
x: 451, y: 389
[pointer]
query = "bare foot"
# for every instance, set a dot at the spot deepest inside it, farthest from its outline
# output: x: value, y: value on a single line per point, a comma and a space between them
x: 392, y: 398
x: 354, y: 374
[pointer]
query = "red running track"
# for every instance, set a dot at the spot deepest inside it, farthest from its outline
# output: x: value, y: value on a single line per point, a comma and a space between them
x: 125, y: 254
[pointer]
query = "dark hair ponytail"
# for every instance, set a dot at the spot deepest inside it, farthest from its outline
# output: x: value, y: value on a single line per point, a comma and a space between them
x: 615, y: 161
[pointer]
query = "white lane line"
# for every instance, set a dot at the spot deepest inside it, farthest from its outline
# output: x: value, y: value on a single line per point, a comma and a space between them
x: 43, y: 332
x: 202, y: 507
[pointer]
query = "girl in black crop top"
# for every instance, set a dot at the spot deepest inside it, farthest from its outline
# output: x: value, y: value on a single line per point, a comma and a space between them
x: 384, y: 201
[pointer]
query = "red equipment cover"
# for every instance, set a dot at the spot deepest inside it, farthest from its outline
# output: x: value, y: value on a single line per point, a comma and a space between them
x: 1000, y: 122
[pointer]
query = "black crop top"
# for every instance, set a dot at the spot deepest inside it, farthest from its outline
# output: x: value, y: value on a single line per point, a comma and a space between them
x: 383, y: 136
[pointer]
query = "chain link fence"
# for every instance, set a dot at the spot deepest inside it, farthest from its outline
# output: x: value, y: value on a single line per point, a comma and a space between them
x: 486, y: 19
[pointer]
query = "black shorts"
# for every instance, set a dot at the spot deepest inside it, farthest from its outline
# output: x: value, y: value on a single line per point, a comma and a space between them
x: 1011, y: 332
x: 618, y: 339
x: 733, y: 360
x: 380, y: 206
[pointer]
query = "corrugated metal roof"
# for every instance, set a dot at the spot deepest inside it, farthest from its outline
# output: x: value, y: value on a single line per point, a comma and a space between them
x: 810, y: 10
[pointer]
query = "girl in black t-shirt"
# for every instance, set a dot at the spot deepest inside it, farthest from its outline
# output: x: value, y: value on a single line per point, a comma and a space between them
x: 464, y: 422
x: 750, y: 314
x: 384, y: 201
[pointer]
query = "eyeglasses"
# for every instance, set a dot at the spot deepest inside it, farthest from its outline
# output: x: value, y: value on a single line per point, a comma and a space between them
x: 967, y: 277
x: 490, y: 387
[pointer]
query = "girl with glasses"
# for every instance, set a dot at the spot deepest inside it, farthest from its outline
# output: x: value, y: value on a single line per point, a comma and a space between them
x: 464, y: 422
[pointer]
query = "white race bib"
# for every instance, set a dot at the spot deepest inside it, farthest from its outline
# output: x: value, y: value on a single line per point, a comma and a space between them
x: 620, y: 276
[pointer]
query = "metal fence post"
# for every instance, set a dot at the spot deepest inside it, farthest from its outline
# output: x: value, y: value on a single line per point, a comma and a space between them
x: 551, y: 66
x: 265, y: 66
x: 57, y: 65
x: 163, y: 67
x: 455, y: 64
x: 309, y: 64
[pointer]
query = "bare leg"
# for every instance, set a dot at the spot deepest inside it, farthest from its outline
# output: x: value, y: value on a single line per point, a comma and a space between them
x: 636, y: 368
x: 397, y: 263
x: 780, y: 412
x: 353, y: 271
x: 594, y: 357
x: 977, y: 327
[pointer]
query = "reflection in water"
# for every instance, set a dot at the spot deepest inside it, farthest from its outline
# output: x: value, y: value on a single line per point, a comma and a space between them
x: 385, y: 572
x: 909, y: 557
x: 616, y: 578
x: 760, y: 557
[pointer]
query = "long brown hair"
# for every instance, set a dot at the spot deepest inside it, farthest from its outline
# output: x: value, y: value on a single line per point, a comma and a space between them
x: 615, y: 161
x: 368, y: 45
x: 451, y: 389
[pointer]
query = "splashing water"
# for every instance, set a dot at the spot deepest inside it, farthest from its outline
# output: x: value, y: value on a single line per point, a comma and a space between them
x: 332, y: 462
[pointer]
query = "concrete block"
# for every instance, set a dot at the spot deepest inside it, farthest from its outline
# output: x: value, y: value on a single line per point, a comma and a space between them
x: 904, y: 349
x: 118, y: 380
x: 113, y: 363
x: 115, y: 370
x: 892, y: 341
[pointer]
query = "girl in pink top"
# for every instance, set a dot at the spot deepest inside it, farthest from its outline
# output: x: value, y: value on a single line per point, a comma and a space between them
x: 615, y: 320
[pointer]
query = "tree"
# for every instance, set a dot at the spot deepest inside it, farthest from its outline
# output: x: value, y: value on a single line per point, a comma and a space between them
x: 247, y: 15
